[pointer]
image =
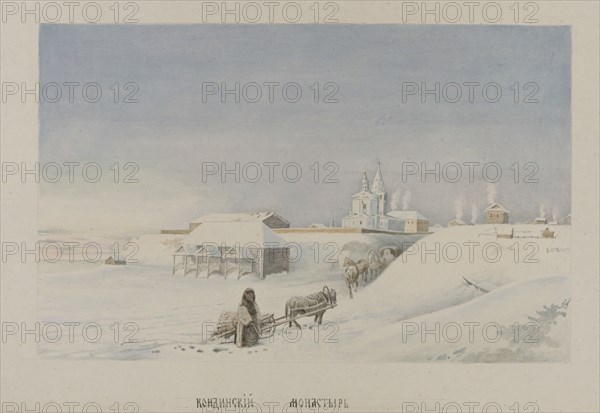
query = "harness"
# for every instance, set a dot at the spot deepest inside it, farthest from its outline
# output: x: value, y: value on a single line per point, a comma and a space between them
x: 326, y: 293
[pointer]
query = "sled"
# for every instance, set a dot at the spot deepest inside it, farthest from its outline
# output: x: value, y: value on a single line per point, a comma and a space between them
x: 227, y: 323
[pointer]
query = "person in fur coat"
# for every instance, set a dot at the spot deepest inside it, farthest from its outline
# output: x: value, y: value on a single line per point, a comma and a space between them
x: 248, y: 327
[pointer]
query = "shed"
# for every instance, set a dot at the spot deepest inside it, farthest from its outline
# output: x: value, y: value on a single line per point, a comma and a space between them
x: 246, y: 247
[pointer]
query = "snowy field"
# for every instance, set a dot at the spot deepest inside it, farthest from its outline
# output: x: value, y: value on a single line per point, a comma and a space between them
x: 430, y: 305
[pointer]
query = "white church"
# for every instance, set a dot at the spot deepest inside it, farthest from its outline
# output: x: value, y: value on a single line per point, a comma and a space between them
x: 368, y: 210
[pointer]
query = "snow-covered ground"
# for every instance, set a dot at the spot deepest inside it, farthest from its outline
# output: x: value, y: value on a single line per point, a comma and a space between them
x: 517, y: 309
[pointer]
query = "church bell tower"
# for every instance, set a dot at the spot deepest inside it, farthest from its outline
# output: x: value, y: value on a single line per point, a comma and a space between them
x: 379, y: 190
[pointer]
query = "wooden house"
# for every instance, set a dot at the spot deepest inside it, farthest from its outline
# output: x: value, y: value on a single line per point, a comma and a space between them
x: 496, y: 214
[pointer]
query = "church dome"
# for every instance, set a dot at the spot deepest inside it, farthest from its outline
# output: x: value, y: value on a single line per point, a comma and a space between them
x: 365, y: 192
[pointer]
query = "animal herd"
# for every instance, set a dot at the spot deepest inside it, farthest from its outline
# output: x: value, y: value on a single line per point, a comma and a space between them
x: 368, y: 269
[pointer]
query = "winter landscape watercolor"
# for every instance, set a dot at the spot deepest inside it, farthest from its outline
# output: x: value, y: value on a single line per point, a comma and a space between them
x: 420, y: 172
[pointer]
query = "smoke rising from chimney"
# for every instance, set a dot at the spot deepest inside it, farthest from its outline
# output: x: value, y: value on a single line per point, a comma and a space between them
x: 406, y: 199
x: 474, y: 213
x: 396, y: 199
x: 542, y: 211
x: 458, y: 208
x: 491, y: 193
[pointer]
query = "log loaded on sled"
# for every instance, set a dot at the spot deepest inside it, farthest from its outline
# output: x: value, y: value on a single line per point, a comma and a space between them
x: 296, y: 307
x: 228, y: 320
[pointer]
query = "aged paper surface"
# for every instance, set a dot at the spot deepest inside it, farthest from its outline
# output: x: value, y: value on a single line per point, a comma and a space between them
x: 299, y: 206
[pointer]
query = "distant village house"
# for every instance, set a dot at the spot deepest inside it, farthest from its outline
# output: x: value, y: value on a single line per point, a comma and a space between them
x: 111, y: 261
x: 319, y: 226
x: 456, y: 223
x: 496, y: 214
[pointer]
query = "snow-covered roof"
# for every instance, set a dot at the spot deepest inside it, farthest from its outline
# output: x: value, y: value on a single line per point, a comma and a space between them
x: 496, y: 207
x: 365, y: 194
x: 318, y: 226
x: 360, y: 215
x: 232, y: 233
x: 406, y: 215
x: 186, y: 249
x: 457, y: 221
x: 236, y: 217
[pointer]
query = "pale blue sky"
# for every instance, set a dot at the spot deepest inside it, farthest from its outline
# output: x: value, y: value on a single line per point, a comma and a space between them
x: 170, y: 132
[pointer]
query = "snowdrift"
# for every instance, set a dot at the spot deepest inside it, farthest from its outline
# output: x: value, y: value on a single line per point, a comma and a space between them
x: 522, y: 322
x: 516, y: 302
x: 431, y: 274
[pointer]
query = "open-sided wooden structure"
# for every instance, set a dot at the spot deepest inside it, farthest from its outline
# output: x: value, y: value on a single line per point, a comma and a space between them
x: 231, y: 248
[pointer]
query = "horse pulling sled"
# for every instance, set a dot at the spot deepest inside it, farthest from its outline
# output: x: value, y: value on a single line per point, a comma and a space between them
x: 295, y: 308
